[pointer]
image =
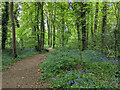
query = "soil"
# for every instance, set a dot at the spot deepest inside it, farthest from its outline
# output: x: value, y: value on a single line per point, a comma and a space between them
x: 25, y: 73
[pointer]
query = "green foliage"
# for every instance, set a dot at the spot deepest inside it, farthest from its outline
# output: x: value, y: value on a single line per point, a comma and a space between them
x: 63, y: 68
x: 73, y: 44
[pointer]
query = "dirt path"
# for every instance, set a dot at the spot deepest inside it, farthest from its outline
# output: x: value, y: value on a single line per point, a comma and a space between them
x: 24, y: 73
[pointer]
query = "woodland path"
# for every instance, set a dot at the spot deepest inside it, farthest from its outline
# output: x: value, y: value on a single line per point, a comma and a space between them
x: 24, y: 73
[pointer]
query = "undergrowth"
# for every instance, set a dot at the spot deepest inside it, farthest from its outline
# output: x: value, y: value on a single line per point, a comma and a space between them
x: 64, y: 68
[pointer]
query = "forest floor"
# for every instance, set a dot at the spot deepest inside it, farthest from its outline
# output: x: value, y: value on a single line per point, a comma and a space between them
x: 25, y: 73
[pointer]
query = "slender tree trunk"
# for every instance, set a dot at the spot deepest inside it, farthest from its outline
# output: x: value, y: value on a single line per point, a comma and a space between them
x: 91, y: 24
x: 42, y: 28
x: 34, y: 32
x: 95, y: 25
x: 83, y: 15
x: 118, y: 36
x: 78, y: 32
x: 5, y: 18
x: 104, y: 24
x: 63, y: 26
x: 13, y: 31
x: 96, y: 16
x: 92, y: 34
x: 119, y: 32
x: 63, y: 23
x: 48, y: 31
x: 38, y: 36
x: 77, y: 12
x: 88, y: 30
x: 51, y: 34
x: 115, y: 33
x: 54, y: 28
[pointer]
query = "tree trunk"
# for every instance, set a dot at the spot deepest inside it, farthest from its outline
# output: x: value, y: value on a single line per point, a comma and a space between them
x: 88, y: 30
x: 77, y: 12
x: 96, y: 16
x: 38, y: 37
x: 53, y: 36
x: 83, y: 11
x: 91, y: 24
x: 42, y: 28
x: 95, y: 25
x: 119, y: 31
x: 48, y: 31
x: 78, y: 32
x: 13, y: 31
x: 5, y: 18
x: 104, y: 24
x: 63, y: 26
x: 54, y: 28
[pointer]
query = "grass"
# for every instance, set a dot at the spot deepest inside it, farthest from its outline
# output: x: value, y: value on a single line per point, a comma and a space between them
x: 64, y: 68
x: 7, y: 58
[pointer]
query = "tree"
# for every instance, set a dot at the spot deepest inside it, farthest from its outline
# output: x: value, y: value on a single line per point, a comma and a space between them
x: 91, y: 20
x: 104, y: 10
x: 96, y: 23
x: 117, y: 29
x: 63, y: 24
x: 77, y: 12
x: 54, y: 28
x: 13, y: 31
x: 96, y: 16
x: 5, y: 18
x: 36, y: 26
x: 48, y: 26
x: 42, y: 27
x: 83, y: 22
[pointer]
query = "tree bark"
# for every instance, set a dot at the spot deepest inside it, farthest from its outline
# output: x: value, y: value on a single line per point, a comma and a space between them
x: 13, y: 31
x: 42, y: 28
x: 54, y: 28
x: 53, y: 36
x: 96, y: 16
x: 119, y: 30
x: 38, y: 37
x: 48, y: 26
x: 63, y: 26
x: 104, y: 24
x: 78, y: 32
x: 77, y: 12
x: 5, y: 18
x: 88, y: 31
x: 83, y: 15
x: 91, y: 22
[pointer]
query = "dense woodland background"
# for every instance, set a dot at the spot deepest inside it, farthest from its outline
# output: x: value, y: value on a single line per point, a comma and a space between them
x: 86, y: 36
x: 83, y: 25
